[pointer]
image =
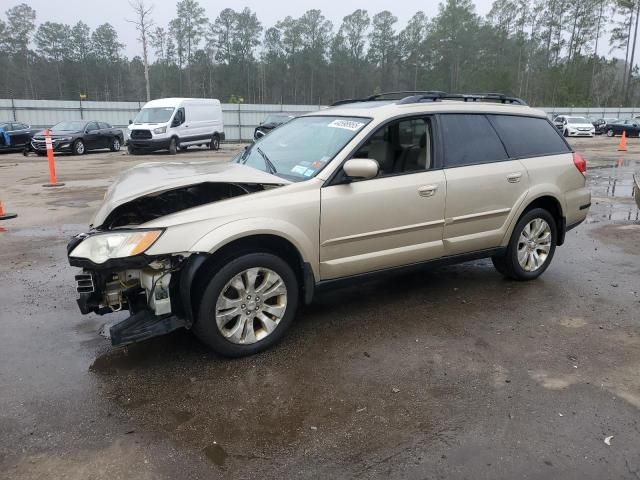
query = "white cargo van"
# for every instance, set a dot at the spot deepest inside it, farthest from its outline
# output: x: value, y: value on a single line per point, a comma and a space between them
x: 176, y: 123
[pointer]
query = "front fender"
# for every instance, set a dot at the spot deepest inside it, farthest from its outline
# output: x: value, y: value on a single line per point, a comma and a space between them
x: 227, y: 233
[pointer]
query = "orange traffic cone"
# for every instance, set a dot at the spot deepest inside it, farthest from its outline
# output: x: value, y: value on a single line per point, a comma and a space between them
x: 4, y: 215
x: 623, y: 142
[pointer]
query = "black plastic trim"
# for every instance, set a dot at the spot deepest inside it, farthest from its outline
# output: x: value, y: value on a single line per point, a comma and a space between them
x: 187, y: 274
x: 449, y: 260
x: 585, y: 207
x: 309, y: 282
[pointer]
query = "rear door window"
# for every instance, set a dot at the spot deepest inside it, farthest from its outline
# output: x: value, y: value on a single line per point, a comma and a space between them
x: 470, y: 140
x: 528, y: 136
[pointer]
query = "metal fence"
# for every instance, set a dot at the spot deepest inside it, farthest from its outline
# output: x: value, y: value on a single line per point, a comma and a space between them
x: 239, y: 120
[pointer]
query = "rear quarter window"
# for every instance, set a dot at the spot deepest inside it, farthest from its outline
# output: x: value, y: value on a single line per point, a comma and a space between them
x: 469, y: 139
x: 528, y: 136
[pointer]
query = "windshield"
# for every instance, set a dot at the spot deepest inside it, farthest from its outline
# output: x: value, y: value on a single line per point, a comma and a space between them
x: 154, y: 115
x: 276, y: 119
x: 68, y: 126
x: 577, y: 120
x: 302, y: 147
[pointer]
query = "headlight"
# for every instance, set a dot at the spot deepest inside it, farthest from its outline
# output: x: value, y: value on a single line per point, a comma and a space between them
x: 102, y: 247
x: 65, y: 139
x: 160, y: 130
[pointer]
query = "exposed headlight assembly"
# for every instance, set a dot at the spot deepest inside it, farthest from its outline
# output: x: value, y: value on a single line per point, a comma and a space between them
x: 120, y: 244
x: 160, y: 130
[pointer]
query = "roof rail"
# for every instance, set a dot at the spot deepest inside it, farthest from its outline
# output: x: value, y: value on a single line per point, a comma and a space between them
x: 465, y: 97
x: 408, y: 97
x: 380, y: 97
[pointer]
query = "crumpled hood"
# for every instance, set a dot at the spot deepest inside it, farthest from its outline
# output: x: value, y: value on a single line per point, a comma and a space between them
x: 156, y: 177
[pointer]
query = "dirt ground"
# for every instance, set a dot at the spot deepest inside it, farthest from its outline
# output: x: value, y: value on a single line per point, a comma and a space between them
x: 448, y: 373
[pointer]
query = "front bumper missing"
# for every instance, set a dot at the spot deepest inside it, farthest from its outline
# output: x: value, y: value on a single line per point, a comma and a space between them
x: 159, y: 299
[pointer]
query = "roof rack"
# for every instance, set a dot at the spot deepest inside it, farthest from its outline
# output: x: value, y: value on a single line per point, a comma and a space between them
x: 408, y: 97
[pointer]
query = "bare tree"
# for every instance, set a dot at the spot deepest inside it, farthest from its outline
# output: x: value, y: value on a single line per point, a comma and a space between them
x: 143, y: 23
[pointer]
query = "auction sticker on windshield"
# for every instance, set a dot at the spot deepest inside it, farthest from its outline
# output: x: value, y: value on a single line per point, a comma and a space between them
x: 347, y: 125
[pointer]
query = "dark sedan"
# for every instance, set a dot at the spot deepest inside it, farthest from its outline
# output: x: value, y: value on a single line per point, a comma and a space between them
x: 15, y: 135
x: 78, y: 137
x: 601, y: 123
x: 632, y: 127
x: 271, y: 123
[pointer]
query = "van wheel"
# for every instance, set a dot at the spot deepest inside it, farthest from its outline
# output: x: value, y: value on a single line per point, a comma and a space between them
x: 173, y: 146
x: 215, y: 142
x: 531, y: 248
x: 247, y: 305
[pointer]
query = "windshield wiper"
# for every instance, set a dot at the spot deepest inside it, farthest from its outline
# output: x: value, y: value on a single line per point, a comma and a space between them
x: 271, y: 166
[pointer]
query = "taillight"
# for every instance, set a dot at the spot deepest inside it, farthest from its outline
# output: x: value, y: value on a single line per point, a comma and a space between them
x: 580, y: 163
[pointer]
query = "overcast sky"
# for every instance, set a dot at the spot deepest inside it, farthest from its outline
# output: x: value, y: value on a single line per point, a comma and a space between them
x: 95, y: 12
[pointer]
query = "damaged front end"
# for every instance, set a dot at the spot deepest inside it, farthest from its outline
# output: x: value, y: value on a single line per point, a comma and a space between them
x: 155, y: 291
x: 118, y: 271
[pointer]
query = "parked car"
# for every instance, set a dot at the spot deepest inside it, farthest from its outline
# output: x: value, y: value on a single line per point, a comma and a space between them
x: 79, y: 137
x: 230, y: 250
x: 632, y: 127
x: 574, y: 126
x: 270, y: 123
x: 601, y: 123
x: 176, y: 123
x: 15, y: 135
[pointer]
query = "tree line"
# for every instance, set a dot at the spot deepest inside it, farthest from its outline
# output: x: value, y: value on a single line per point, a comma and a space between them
x: 546, y: 51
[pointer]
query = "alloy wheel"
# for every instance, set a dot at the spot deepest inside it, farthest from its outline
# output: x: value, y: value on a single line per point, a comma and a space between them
x: 534, y: 245
x: 251, y: 305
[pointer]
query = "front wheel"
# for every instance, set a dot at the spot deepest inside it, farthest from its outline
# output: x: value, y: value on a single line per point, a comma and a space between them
x: 531, y: 248
x: 566, y: 133
x: 78, y: 147
x: 115, y: 145
x: 610, y: 133
x: 247, y: 305
x: 173, y: 146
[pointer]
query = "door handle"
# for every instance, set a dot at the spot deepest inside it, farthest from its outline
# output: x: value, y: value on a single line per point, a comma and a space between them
x: 514, y: 177
x: 428, y: 190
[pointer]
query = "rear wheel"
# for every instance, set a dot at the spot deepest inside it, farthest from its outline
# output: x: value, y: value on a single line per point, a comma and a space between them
x: 531, y: 248
x: 173, y: 146
x: 247, y: 305
x: 215, y: 142
x: 115, y: 145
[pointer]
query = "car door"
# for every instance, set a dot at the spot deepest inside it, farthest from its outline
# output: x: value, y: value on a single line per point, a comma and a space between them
x: 483, y: 184
x: 92, y: 136
x: 19, y: 134
x: 392, y: 220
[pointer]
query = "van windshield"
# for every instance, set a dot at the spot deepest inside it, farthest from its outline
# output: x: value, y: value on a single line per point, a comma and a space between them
x: 154, y: 115
x: 299, y: 149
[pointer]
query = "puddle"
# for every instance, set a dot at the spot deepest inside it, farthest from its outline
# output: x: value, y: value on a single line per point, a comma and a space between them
x: 612, y: 189
x: 67, y: 230
x: 216, y: 454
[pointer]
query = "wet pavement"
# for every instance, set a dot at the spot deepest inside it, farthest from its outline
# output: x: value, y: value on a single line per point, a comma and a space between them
x: 447, y: 373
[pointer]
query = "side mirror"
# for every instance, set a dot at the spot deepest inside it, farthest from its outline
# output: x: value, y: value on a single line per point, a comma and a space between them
x: 130, y: 121
x: 361, y: 168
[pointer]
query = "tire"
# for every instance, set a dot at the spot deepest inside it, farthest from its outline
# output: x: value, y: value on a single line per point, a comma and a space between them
x: 509, y: 264
x: 247, y: 341
x: 78, y: 148
x: 611, y: 133
x: 173, y: 146
x: 566, y: 133
x: 183, y: 149
x: 215, y: 142
x: 115, y: 144
x: 131, y: 150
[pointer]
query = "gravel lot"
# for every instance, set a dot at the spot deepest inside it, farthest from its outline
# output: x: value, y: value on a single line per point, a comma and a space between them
x: 448, y: 373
